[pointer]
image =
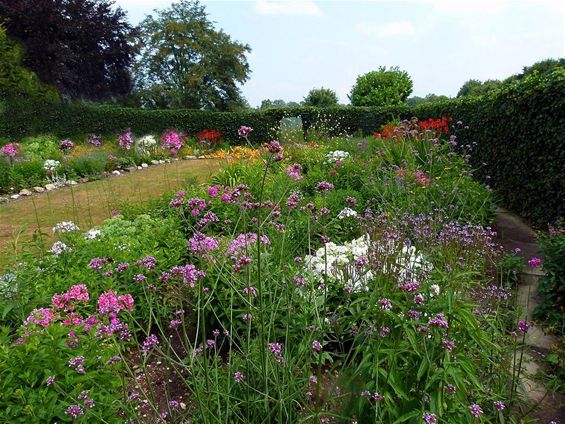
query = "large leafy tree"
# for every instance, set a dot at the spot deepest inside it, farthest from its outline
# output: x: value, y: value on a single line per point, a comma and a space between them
x: 474, y: 88
x: 321, y: 97
x: 385, y: 87
x: 185, y: 62
x: 80, y: 46
x: 15, y: 80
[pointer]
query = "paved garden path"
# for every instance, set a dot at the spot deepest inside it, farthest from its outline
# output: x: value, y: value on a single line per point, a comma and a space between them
x: 513, y: 233
x: 89, y: 204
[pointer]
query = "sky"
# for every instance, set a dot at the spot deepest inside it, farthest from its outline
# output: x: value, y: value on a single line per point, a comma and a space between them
x: 298, y: 45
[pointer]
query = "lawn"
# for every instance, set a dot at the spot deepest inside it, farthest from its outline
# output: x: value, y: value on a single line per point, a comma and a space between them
x: 91, y: 203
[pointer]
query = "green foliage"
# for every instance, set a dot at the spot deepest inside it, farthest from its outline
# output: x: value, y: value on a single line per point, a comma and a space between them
x: 267, y: 104
x: 82, y: 48
x: 381, y: 88
x: 185, y: 62
x: 551, y: 310
x: 474, y: 88
x: 92, y: 165
x: 321, y: 97
x: 543, y: 67
x: 429, y: 98
x: 41, y: 147
x: 26, y: 174
x: 43, y: 353
x: 15, y: 79
x: 519, y: 134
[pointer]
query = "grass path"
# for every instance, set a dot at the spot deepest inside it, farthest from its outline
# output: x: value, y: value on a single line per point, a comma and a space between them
x: 91, y: 203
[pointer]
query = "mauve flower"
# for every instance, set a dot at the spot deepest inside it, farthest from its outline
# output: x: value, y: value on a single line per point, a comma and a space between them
x: 50, y: 380
x: 523, y: 326
x: 324, y: 186
x: 499, y: 405
x: 74, y: 411
x: 316, y: 345
x: 429, y: 418
x: 475, y: 410
x: 273, y: 147
x: 238, y: 377
x: 535, y: 262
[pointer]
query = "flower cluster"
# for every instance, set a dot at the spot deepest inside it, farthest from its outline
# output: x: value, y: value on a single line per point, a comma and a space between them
x: 66, y: 145
x: 202, y: 244
x: 336, y: 156
x: 340, y: 263
x: 65, y: 227
x: 67, y: 301
x: 294, y: 171
x: 59, y: 248
x: 244, y: 131
x: 146, y: 142
x: 209, y: 137
x: 125, y: 139
x: 51, y: 164
x: 11, y: 150
x: 172, y: 140
x: 95, y: 140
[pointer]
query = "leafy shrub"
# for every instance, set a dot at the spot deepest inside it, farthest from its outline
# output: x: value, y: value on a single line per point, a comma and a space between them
x: 87, y: 166
x: 551, y: 289
x: 26, y: 174
x: 41, y: 147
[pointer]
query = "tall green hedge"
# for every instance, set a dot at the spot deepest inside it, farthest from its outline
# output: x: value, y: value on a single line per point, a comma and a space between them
x: 21, y: 118
x: 520, y: 136
x: 24, y: 118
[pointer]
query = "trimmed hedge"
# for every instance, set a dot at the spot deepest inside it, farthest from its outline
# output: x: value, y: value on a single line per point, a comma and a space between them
x: 520, y: 136
x: 22, y: 118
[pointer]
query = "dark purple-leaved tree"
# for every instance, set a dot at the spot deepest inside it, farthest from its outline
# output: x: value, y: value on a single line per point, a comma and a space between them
x: 82, y: 47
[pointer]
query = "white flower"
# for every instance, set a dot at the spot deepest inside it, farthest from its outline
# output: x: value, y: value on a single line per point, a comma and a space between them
x: 336, y: 155
x: 338, y: 262
x: 146, y: 141
x: 92, y: 234
x: 51, y: 164
x: 434, y: 290
x: 59, y: 247
x: 346, y: 212
x: 65, y: 227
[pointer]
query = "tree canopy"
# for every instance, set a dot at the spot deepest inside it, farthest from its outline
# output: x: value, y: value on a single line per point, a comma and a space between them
x: 429, y: 98
x: 15, y: 80
x: 473, y: 88
x: 80, y: 47
x: 321, y: 97
x: 185, y: 62
x: 385, y: 87
x: 266, y: 104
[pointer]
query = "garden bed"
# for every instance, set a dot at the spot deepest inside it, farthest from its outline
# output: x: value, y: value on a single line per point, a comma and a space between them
x: 352, y: 280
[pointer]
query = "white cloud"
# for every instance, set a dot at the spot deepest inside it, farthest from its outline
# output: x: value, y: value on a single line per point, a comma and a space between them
x: 390, y: 29
x: 470, y: 6
x: 288, y: 8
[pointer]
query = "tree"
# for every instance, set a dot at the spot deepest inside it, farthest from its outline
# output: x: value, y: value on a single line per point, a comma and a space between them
x: 381, y: 88
x: 79, y: 46
x: 543, y: 67
x: 474, y: 88
x: 15, y: 80
x: 266, y: 104
x: 321, y: 97
x: 185, y: 62
x: 430, y: 98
